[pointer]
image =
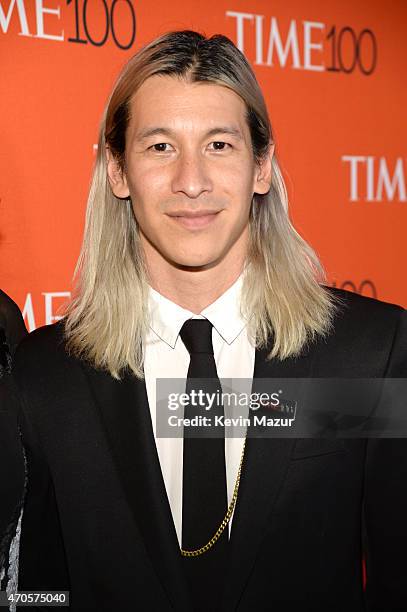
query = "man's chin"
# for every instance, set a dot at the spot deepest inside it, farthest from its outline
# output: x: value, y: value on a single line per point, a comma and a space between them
x: 195, y: 263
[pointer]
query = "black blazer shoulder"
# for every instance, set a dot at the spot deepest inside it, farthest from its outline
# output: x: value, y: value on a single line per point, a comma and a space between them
x: 43, y: 370
x: 11, y: 321
x: 362, y: 309
x: 44, y: 346
x: 368, y: 337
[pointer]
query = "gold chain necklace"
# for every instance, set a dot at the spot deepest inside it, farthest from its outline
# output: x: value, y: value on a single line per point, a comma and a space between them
x: 224, y: 523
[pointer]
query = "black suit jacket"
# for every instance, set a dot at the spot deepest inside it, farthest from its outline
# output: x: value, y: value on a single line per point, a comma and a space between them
x: 97, y: 520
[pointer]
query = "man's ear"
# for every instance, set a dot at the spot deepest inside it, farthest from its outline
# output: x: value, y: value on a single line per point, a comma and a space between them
x: 263, y: 172
x: 116, y: 176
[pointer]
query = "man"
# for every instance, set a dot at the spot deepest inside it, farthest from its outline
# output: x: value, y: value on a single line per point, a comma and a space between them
x: 191, y: 269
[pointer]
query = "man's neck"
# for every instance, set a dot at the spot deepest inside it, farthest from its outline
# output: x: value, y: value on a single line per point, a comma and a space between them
x: 192, y: 289
x: 194, y: 294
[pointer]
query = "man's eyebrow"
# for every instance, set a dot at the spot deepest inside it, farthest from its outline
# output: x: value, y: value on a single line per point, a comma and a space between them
x: 153, y: 131
x: 232, y: 131
x: 162, y: 131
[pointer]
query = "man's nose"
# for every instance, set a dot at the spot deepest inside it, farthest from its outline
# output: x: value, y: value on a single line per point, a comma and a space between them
x: 191, y: 175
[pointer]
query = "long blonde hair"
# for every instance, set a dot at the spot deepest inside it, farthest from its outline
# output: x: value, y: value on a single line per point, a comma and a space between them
x: 107, y: 319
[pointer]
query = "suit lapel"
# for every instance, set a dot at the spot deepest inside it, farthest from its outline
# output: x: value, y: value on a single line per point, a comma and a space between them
x: 125, y: 413
x: 264, y: 470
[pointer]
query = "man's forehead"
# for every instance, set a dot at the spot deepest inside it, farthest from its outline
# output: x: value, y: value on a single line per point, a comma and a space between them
x: 164, y: 101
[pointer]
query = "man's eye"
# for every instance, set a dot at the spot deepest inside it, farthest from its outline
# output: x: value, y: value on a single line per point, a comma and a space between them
x: 161, y: 147
x: 219, y: 145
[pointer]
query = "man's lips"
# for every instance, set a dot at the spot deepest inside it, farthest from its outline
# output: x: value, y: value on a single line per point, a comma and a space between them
x: 194, y: 219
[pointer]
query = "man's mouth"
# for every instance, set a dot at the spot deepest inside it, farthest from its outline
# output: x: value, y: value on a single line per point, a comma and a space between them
x: 194, y: 219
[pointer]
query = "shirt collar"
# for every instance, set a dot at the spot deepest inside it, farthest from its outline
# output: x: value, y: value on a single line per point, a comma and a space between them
x: 167, y: 318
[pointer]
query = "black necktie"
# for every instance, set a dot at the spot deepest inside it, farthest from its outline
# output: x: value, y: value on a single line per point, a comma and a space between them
x: 204, y: 473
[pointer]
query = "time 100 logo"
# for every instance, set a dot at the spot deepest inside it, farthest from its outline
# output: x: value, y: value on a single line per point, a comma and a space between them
x: 83, y: 28
x: 95, y: 21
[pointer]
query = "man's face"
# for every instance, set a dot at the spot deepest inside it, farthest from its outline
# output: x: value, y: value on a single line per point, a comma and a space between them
x: 190, y: 171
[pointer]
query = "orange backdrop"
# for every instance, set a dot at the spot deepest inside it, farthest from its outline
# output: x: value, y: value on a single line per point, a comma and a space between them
x: 333, y: 74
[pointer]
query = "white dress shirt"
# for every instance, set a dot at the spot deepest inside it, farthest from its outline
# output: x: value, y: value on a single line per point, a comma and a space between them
x: 167, y: 357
